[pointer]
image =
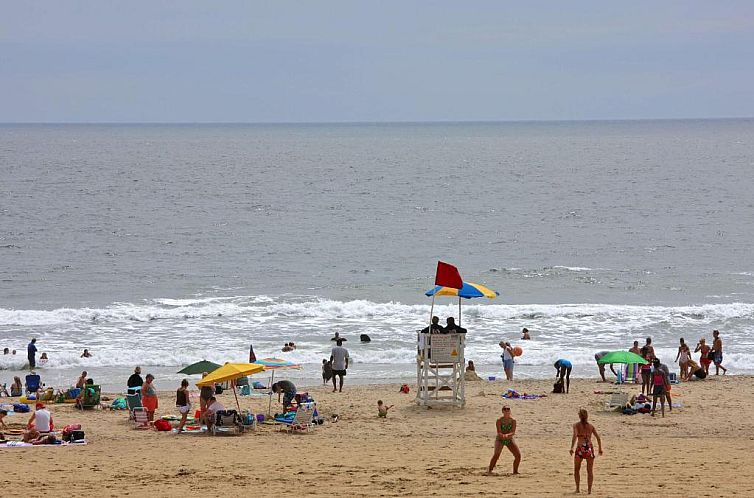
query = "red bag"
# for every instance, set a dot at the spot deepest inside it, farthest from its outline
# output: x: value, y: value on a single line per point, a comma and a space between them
x: 70, y: 428
x: 162, y: 425
x: 404, y: 389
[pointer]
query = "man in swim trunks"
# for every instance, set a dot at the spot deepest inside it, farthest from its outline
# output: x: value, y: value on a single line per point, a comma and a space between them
x: 601, y: 366
x: 717, y: 355
x: 563, y: 368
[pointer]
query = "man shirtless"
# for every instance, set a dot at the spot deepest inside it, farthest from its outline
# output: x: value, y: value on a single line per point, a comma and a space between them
x: 717, y: 356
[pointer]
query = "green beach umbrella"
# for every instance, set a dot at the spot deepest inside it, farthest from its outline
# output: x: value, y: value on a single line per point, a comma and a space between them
x: 622, y: 357
x: 200, y: 367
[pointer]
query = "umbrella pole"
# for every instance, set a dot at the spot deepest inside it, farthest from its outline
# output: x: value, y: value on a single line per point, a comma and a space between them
x: 269, y: 405
x: 431, y: 312
x: 235, y: 393
x: 459, y: 311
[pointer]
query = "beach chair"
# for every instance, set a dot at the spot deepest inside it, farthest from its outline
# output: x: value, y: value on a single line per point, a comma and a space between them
x: 617, y: 400
x: 673, y: 378
x: 133, y: 401
x: 140, y: 420
x: 632, y: 373
x: 90, y: 397
x: 32, y: 383
x: 227, y: 422
x: 304, y: 419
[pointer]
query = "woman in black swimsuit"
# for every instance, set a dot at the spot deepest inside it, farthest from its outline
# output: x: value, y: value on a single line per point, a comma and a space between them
x: 582, y: 432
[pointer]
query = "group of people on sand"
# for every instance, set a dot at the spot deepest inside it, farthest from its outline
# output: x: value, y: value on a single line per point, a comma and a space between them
x: 581, y: 445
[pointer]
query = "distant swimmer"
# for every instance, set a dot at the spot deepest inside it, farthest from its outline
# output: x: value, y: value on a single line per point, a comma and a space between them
x: 365, y: 338
x: 337, y: 337
x: 43, y: 357
x: 86, y: 354
x: 525, y: 335
x: 287, y: 348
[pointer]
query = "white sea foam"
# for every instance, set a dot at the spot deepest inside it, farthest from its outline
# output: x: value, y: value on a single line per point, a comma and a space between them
x: 174, y: 332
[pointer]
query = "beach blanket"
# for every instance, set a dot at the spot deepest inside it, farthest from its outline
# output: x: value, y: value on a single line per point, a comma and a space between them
x: 512, y: 394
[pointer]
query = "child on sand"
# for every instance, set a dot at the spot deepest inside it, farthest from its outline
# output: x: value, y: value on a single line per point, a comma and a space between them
x: 382, y: 409
x: 505, y: 427
x: 326, y: 371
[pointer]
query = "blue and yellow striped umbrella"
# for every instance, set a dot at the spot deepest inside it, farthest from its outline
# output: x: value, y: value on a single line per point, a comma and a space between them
x: 468, y: 291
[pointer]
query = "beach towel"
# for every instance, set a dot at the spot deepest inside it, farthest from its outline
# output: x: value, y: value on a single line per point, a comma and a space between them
x: 512, y: 394
x: 21, y: 444
x: 192, y: 429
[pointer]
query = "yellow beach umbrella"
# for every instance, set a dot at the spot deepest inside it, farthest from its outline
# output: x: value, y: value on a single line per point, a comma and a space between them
x: 230, y: 371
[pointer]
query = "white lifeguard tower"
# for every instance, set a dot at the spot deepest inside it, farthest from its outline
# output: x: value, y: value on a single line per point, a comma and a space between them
x: 440, y: 367
x: 440, y: 358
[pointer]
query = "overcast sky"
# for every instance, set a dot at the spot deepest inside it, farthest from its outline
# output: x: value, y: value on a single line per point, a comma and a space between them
x: 321, y: 61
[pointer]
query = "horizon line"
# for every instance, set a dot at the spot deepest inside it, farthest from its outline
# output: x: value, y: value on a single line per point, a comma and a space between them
x: 462, y: 121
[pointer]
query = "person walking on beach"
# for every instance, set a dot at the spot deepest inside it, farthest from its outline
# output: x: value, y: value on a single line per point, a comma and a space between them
x: 507, y: 357
x: 717, y: 355
x: 705, y: 358
x: 659, y: 382
x: 339, y: 358
x: 683, y: 357
x: 563, y: 369
x: 183, y: 403
x: 31, y: 353
x: 582, y: 433
x: 505, y: 427
x: 601, y: 366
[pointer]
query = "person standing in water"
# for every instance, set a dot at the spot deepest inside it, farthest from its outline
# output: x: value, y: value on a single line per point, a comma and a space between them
x: 582, y: 433
x: 505, y: 427
x: 705, y: 358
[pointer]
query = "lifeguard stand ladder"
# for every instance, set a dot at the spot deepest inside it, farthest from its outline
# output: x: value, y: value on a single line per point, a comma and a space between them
x: 440, y: 370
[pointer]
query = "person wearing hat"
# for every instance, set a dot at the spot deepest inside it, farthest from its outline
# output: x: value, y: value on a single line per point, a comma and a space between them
x: 39, y: 424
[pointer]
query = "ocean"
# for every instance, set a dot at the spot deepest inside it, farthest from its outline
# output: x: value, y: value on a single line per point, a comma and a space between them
x: 161, y: 245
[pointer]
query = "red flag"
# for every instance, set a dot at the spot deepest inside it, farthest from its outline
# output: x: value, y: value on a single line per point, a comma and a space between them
x: 448, y: 276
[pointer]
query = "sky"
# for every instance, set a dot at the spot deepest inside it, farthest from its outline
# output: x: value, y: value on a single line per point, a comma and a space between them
x: 368, y: 61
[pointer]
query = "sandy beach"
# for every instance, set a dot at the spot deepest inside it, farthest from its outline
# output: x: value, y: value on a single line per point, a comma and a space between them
x: 701, y: 449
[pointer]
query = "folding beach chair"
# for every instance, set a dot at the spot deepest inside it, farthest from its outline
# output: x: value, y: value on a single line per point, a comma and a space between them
x: 227, y: 422
x: 140, y: 419
x: 632, y: 373
x: 90, y: 397
x: 617, y: 400
x: 304, y: 419
x: 32, y: 383
x: 133, y: 401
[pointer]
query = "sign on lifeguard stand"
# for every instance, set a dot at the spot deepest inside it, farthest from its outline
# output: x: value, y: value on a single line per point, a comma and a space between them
x: 440, y: 369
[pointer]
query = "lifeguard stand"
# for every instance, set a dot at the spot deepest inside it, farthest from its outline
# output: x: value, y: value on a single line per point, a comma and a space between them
x: 440, y: 367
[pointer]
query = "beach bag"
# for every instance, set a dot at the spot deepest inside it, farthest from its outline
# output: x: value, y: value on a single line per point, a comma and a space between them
x: 20, y: 408
x: 558, y: 387
x: 70, y: 429
x: 77, y: 436
x: 163, y: 425
x: 405, y: 389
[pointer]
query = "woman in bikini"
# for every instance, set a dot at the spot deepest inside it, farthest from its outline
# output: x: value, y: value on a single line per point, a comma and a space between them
x: 683, y: 357
x: 706, y: 357
x: 582, y: 432
x: 506, y: 429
